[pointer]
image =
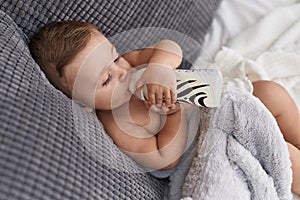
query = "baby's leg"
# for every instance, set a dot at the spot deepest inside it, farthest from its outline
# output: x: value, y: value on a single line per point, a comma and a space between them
x: 283, y: 108
x: 295, y: 158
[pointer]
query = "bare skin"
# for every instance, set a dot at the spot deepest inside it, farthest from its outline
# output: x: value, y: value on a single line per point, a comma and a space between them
x: 285, y: 111
x: 98, y: 78
x: 155, y: 140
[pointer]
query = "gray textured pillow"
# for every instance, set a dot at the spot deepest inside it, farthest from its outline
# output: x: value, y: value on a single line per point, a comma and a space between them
x: 191, y: 18
x: 51, y: 148
x: 44, y: 155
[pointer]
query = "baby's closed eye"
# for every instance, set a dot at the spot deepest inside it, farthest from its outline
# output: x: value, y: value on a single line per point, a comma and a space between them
x: 107, y: 80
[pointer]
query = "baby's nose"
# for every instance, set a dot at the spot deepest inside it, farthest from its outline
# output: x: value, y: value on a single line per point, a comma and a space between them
x: 123, y: 76
x: 122, y: 73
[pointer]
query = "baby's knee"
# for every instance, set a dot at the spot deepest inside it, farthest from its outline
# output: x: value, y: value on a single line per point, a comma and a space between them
x: 267, y: 87
x: 272, y: 95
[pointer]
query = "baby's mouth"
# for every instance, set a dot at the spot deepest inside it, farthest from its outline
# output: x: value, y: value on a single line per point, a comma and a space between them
x: 121, y: 92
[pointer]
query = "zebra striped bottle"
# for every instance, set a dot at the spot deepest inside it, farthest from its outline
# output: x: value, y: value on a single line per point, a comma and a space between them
x: 201, y: 87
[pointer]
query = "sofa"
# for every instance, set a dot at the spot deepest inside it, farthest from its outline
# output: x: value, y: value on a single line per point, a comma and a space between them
x: 51, y: 148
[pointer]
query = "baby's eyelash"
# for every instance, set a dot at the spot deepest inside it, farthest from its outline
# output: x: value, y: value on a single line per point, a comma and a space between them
x: 107, y: 81
x: 117, y: 58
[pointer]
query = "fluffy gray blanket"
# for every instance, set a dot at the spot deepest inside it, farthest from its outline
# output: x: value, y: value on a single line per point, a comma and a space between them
x: 241, y: 154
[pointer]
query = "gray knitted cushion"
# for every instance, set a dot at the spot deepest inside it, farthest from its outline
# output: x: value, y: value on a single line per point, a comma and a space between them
x: 43, y: 155
x: 191, y: 18
x: 49, y: 147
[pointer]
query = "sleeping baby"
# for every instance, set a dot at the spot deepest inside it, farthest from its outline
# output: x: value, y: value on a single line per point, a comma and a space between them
x: 81, y: 62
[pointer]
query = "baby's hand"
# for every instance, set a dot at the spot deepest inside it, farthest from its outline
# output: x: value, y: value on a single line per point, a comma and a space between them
x: 160, y: 96
x: 160, y: 81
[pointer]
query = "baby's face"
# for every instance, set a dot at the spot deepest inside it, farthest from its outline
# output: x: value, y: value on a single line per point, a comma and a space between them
x: 98, y: 76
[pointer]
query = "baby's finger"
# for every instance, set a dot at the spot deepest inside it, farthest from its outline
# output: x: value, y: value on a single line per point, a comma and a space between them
x: 159, y: 98
x: 147, y: 104
x: 167, y: 95
x: 173, y: 97
x: 151, y: 98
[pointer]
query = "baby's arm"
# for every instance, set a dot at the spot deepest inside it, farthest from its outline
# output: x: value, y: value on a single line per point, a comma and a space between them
x: 156, y: 151
x: 159, y: 77
x: 165, y: 52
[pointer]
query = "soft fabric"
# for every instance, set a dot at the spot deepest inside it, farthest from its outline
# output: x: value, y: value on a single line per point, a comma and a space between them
x: 236, y: 70
x: 46, y: 152
x: 268, y: 50
x: 185, y: 22
x: 50, y: 147
x: 234, y: 16
x: 241, y: 153
x: 275, y: 53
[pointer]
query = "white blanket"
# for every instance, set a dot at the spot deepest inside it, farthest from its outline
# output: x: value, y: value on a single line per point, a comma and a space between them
x: 267, y: 50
